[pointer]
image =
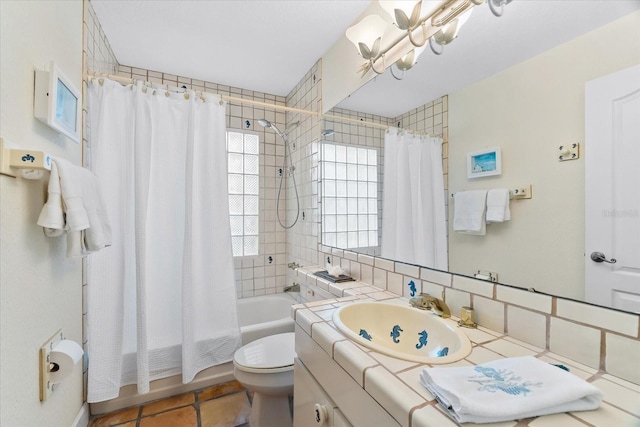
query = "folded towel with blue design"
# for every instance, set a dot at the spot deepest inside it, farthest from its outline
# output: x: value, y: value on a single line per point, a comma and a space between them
x: 508, y: 389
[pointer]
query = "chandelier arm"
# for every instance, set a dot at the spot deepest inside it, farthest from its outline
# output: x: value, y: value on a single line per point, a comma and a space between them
x: 394, y: 74
x: 432, y: 44
x: 493, y: 5
x: 424, y: 38
x: 373, y: 64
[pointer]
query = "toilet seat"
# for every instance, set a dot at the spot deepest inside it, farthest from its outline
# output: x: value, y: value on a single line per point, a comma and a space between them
x: 271, y: 354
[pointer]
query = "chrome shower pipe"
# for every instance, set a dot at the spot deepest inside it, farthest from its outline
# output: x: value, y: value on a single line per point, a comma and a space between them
x: 287, y: 154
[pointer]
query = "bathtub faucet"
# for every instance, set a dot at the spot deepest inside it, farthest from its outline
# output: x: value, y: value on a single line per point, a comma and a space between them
x: 293, y: 265
x: 293, y: 288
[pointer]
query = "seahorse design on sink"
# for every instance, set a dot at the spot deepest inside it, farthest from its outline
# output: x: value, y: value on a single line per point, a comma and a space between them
x: 443, y: 352
x: 395, y: 333
x: 422, y: 340
x: 364, y: 334
x: 412, y: 288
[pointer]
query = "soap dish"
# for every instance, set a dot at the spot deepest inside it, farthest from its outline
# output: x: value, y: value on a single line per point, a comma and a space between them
x: 333, y: 279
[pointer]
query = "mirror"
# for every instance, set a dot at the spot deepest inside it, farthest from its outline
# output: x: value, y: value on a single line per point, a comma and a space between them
x: 529, y: 105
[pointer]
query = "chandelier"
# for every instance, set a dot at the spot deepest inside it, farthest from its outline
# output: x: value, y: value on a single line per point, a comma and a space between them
x: 377, y: 36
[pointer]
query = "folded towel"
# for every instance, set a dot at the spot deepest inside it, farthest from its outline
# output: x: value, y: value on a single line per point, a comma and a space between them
x: 508, y: 389
x: 75, y: 206
x: 498, y: 205
x: 469, y: 212
x: 52, y: 213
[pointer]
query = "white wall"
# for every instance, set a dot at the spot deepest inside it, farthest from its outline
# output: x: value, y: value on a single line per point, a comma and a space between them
x: 529, y: 110
x: 40, y: 290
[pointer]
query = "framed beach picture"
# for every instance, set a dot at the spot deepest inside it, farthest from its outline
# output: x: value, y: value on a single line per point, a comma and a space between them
x: 485, y: 162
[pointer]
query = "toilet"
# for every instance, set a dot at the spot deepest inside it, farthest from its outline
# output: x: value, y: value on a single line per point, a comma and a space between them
x: 265, y: 367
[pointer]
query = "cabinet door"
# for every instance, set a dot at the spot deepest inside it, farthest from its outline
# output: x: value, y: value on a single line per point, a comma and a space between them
x: 339, y: 420
x: 311, y: 405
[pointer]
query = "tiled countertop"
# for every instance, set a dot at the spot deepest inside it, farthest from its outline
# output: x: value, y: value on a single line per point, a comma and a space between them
x: 394, y: 383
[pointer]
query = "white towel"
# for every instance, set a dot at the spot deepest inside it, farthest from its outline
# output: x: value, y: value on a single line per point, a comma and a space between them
x: 469, y: 212
x: 75, y: 206
x: 508, y: 389
x: 498, y: 205
x: 52, y: 213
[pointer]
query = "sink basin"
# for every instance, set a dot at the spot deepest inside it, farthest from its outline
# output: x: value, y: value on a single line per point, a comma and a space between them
x: 402, y: 332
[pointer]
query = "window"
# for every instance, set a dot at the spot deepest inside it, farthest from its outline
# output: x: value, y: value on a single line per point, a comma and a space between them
x: 349, y: 196
x: 244, y: 186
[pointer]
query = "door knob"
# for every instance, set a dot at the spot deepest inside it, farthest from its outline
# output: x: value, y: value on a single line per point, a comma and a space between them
x: 600, y: 257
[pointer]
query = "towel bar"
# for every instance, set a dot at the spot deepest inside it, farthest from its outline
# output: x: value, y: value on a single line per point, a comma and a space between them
x: 30, y: 163
x: 516, y: 193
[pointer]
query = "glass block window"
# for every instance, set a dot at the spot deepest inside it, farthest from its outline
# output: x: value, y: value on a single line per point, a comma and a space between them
x: 244, y: 185
x: 349, y: 196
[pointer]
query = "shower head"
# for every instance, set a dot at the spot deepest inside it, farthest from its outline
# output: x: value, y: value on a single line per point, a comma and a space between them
x: 267, y: 124
x: 328, y: 132
x: 264, y: 123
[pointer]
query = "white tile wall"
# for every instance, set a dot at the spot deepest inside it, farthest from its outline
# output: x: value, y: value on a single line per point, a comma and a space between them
x: 598, y: 316
x: 524, y: 298
x: 489, y: 313
x: 580, y: 343
x: 456, y: 300
x: 480, y: 287
x: 529, y: 326
x: 394, y: 283
x: 436, y: 276
x: 385, y: 264
x: 407, y: 270
x: 432, y: 289
x: 623, y: 357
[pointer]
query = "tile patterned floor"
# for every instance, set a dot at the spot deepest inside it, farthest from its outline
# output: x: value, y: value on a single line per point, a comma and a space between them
x: 223, y: 405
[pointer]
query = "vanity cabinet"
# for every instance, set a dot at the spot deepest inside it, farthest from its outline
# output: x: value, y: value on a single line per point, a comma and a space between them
x: 312, y: 406
x: 319, y: 375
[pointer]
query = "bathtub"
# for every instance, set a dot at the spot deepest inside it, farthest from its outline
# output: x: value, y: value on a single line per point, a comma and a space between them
x: 257, y: 317
x: 264, y: 315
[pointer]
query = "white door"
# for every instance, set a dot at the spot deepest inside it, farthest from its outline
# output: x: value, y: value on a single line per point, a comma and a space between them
x: 612, y: 196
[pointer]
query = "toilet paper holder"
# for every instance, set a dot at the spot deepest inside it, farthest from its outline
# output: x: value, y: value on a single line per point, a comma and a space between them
x: 49, y: 369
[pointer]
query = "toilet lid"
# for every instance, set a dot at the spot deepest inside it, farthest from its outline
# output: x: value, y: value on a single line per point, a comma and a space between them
x: 272, y: 352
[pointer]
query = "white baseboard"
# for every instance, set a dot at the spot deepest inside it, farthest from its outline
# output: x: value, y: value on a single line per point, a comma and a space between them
x: 82, y: 418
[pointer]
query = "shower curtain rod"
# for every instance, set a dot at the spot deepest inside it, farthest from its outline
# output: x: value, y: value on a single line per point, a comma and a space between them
x: 356, y: 121
x: 376, y: 125
x: 127, y: 80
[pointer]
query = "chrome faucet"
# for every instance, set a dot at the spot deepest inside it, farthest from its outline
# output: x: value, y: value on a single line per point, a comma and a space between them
x: 427, y: 302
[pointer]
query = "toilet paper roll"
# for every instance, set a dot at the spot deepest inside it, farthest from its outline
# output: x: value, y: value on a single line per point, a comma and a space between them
x: 62, y: 359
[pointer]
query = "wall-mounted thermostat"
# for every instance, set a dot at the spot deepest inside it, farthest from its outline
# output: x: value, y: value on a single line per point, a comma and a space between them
x: 57, y: 103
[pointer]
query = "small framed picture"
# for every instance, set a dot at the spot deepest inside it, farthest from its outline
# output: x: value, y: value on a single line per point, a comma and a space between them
x: 485, y: 162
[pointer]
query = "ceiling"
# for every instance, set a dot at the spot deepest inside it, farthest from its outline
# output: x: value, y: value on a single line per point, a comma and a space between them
x: 265, y: 46
x: 269, y: 45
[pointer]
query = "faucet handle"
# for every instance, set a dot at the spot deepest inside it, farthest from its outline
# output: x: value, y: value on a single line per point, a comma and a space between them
x: 421, y: 301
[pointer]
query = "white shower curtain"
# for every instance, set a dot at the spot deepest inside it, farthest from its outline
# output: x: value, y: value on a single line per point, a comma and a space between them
x: 161, y: 299
x: 413, y: 222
